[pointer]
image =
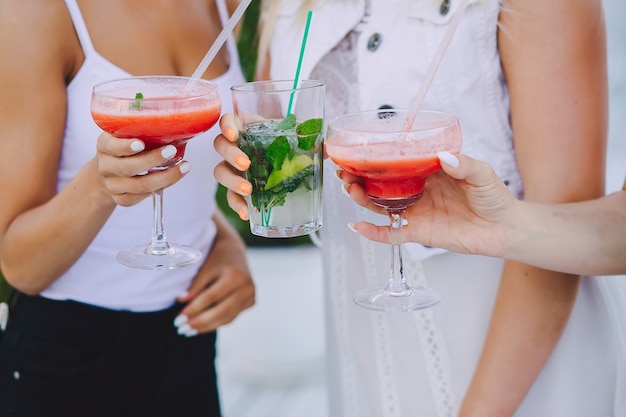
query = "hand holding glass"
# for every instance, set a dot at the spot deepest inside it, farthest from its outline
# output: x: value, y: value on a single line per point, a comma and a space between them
x: 393, y: 163
x: 159, y: 110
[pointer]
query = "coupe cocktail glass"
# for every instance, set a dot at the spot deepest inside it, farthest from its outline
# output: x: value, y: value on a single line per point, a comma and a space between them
x: 159, y: 110
x: 393, y: 163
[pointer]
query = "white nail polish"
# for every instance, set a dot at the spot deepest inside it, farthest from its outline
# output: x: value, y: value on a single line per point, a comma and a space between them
x: 137, y: 146
x: 180, y: 320
x: 191, y: 333
x: 344, y: 189
x: 183, y: 294
x: 184, y: 329
x: 185, y: 167
x: 351, y: 227
x: 168, y: 151
x: 448, y: 159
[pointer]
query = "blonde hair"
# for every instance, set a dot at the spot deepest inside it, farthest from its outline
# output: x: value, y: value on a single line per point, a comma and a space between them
x: 269, y: 13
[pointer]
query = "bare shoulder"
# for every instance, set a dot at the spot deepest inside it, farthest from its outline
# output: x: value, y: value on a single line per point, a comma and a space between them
x: 36, y: 32
x: 554, y: 13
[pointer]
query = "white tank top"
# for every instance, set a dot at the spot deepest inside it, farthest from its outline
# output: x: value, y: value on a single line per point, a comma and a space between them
x: 97, y: 278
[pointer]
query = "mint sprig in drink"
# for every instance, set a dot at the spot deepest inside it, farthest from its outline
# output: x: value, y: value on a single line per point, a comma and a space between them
x: 286, y: 154
x: 284, y: 170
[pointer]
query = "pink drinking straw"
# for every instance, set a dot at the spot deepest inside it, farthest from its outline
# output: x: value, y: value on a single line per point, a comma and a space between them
x: 434, y: 65
x: 217, y: 45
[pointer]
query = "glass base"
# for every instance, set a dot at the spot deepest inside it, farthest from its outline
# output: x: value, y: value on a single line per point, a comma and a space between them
x: 413, y: 298
x: 176, y: 257
x: 285, y: 231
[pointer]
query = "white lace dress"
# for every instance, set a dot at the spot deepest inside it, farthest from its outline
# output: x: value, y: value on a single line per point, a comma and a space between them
x: 420, y: 364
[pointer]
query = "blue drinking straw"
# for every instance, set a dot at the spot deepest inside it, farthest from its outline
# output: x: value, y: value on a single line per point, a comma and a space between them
x: 302, y: 48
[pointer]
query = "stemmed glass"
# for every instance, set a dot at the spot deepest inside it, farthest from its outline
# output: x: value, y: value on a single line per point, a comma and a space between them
x: 159, y: 110
x: 393, y: 162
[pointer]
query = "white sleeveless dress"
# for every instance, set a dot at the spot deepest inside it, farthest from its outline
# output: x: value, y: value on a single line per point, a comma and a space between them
x: 97, y: 278
x: 420, y: 364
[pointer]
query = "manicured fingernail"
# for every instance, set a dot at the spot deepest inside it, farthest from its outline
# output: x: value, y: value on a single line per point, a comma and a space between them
x: 344, y: 189
x: 180, y: 320
x: 242, y: 162
x: 351, y: 227
x: 185, y: 167
x: 183, y: 294
x: 243, y: 214
x: 244, y: 187
x: 448, y: 159
x: 230, y: 134
x: 168, y: 151
x: 338, y: 174
x: 137, y: 146
x: 187, y: 331
x: 183, y: 328
x: 190, y: 333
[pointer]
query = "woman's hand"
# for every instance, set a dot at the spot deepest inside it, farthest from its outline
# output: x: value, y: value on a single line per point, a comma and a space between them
x: 229, y: 172
x: 223, y: 287
x: 123, y: 165
x: 466, y: 209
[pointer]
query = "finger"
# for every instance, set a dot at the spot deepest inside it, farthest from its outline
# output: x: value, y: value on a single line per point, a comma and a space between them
x: 463, y: 167
x: 347, y: 177
x: 110, y: 145
x: 357, y: 193
x: 231, y: 153
x: 127, y: 191
x: 231, y: 179
x: 372, y: 231
x: 139, y: 163
x: 238, y: 204
x: 229, y: 125
x: 221, y: 302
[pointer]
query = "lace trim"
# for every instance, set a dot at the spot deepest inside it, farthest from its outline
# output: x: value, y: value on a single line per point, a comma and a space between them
x: 433, y: 345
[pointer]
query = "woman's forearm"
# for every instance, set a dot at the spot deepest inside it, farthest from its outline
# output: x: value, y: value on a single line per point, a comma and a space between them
x: 587, y: 238
x: 42, y: 243
x: 530, y: 313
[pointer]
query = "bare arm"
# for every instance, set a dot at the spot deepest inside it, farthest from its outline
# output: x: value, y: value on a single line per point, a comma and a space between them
x: 586, y: 238
x: 42, y: 232
x: 553, y: 55
x: 469, y: 210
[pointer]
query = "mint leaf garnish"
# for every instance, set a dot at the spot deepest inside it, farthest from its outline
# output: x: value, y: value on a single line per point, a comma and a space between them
x: 282, y: 158
x: 137, y: 103
x: 288, y: 123
x: 278, y: 151
x: 307, y: 132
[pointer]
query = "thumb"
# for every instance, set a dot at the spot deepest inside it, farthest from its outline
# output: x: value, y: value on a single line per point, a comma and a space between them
x: 472, y: 171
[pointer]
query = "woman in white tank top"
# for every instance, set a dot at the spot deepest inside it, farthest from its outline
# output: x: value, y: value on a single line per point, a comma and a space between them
x: 528, y: 82
x: 87, y: 335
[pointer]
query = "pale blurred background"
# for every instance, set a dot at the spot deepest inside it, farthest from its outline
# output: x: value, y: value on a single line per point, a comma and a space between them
x: 271, y: 359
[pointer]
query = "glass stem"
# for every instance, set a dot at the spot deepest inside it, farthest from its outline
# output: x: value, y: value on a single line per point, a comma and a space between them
x: 397, y: 283
x: 158, y: 242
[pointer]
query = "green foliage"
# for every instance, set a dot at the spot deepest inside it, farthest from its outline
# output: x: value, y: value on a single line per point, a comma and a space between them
x: 137, y: 103
x: 5, y: 288
x: 307, y: 132
x: 277, y: 152
x: 248, y: 42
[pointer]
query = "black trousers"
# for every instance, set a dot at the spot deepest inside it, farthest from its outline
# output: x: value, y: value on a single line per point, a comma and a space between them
x: 63, y: 358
